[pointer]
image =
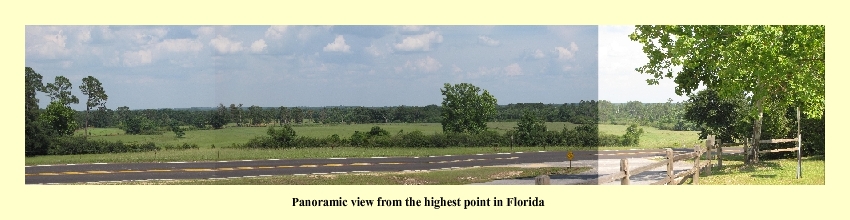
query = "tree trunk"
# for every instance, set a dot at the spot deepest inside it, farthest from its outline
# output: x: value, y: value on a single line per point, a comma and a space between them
x: 86, y: 129
x: 753, y: 156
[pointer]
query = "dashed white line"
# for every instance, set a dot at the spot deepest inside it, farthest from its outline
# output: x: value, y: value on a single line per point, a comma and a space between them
x: 320, y: 173
x: 222, y: 161
x: 99, y: 163
x: 247, y: 160
x: 177, y: 162
x: 455, y: 167
x: 249, y: 176
x: 479, y: 154
x: 503, y: 153
x: 447, y: 155
x: 339, y: 172
x: 274, y: 159
x: 519, y: 152
x: 299, y: 174
x: 336, y: 158
x: 265, y: 175
x: 360, y: 171
x: 432, y: 156
x: 234, y: 177
x: 27, y: 166
x: 43, y: 165
x: 378, y: 157
x: 541, y: 151
x: 415, y: 157
x: 70, y: 164
x: 217, y: 178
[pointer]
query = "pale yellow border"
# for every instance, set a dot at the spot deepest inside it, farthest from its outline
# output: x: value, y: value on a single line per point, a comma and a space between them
x: 273, y: 202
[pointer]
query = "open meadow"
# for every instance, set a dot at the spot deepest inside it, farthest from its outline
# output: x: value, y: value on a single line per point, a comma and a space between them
x: 205, y: 139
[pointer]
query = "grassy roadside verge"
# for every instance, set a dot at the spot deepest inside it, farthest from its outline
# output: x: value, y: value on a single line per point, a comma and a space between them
x: 207, y: 154
x: 768, y: 172
x: 444, y: 177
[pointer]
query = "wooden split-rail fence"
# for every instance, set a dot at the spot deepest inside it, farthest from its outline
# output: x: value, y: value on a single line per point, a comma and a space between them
x: 713, y: 151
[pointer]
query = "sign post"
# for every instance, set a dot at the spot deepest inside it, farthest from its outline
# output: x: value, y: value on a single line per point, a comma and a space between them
x: 570, y: 157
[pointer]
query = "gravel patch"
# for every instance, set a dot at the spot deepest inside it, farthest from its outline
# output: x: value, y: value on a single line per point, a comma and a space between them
x: 598, y: 168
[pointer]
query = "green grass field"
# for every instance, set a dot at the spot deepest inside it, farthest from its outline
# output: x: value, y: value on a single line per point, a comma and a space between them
x: 767, y: 172
x: 240, y: 135
x: 443, y: 177
x: 652, y: 139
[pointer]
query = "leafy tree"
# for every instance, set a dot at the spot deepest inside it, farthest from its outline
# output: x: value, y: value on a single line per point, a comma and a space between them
x: 59, y: 118
x: 465, y: 110
x: 377, y: 131
x: 36, y: 133
x: 530, y: 129
x: 60, y: 90
x: 773, y: 66
x: 724, y: 118
x: 218, y: 118
x: 175, y: 127
x: 92, y: 88
x: 632, y: 136
x: 285, y: 136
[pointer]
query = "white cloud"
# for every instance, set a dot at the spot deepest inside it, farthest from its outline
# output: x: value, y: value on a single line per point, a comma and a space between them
x: 426, y: 64
x: 180, y: 45
x: 66, y: 64
x: 276, y: 31
x: 224, y: 45
x: 567, y: 53
x: 513, y: 70
x: 538, y: 54
x: 46, y: 43
x: 420, y: 42
x: 456, y: 69
x: 487, y: 41
x: 307, y: 32
x: 204, y: 31
x: 412, y: 28
x: 137, y: 58
x: 258, y: 46
x: 337, y: 46
x: 372, y: 49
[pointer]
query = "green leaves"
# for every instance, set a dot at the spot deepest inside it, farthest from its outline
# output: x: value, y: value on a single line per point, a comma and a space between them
x: 60, y: 90
x: 465, y: 110
x: 782, y: 65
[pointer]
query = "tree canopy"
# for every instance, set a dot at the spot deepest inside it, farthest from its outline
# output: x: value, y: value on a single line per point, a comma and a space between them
x: 465, y: 110
x: 774, y: 66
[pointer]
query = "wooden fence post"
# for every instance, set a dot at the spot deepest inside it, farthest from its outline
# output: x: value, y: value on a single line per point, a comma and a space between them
x: 799, y: 156
x: 696, y: 165
x: 719, y: 154
x: 624, y: 167
x: 669, y: 165
x: 709, y: 143
x: 799, y: 147
x: 541, y: 180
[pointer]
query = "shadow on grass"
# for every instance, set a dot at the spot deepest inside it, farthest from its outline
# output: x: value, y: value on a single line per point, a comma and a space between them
x: 741, y: 167
x: 764, y: 176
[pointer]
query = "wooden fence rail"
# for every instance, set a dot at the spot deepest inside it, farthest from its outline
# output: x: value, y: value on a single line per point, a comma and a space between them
x: 671, y: 178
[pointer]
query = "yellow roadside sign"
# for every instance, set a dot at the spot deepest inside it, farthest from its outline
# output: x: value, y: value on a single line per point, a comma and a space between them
x: 570, y: 155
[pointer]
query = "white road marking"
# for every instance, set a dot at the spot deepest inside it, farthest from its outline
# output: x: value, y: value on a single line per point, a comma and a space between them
x: 43, y: 165
x: 177, y: 162
x: 447, y: 155
x: 320, y: 173
x: 519, y: 152
x: 100, y: 163
x: 274, y: 159
x: 358, y: 171
x: 222, y: 161
x: 247, y: 160
x: 336, y: 158
x: 70, y: 164
x: 339, y: 172
x: 265, y: 175
x: 503, y: 153
x: 479, y: 154
x: 378, y: 157
x: 249, y: 176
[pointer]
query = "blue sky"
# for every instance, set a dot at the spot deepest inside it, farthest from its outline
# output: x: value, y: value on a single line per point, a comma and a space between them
x: 201, y: 66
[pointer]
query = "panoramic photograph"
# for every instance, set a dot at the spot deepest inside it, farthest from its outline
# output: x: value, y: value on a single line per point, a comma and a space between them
x: 425, y: 105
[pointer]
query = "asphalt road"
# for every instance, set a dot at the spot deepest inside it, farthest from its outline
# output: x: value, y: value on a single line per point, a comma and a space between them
x: 73, y: 173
